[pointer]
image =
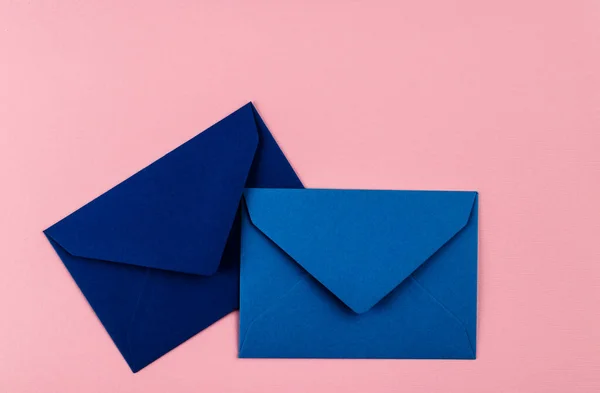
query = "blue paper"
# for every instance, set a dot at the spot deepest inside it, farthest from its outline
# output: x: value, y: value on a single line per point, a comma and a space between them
x: 157, y: 256
x: 358, y: 274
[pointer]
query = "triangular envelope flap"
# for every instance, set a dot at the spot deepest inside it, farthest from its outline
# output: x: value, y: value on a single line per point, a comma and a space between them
x: 175, y: 214
x: 360, y: 244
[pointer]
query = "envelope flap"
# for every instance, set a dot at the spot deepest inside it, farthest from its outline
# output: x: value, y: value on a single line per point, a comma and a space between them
x: 175, y: 214
x: 359, y: 244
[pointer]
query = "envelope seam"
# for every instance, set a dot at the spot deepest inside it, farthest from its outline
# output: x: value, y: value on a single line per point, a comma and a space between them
x: 269, y: 308
x: 446, y: 310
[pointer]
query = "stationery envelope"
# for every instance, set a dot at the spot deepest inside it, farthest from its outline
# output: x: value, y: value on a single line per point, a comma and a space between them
x: 157, y: 256
x: 358, y: 274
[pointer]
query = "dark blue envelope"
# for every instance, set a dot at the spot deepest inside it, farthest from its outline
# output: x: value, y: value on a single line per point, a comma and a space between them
x: 157, y: 256
x: 358, y: 274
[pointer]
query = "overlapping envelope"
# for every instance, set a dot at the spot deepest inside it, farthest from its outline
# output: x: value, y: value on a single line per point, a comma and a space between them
x: 358, y: 274
x: 157, y: 256
x: 324, y: 273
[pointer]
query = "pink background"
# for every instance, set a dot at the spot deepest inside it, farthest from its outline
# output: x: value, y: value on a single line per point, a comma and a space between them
x: 498, y: 96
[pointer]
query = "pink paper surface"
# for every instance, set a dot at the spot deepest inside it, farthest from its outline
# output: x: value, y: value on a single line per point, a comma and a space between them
x: 502, y: 97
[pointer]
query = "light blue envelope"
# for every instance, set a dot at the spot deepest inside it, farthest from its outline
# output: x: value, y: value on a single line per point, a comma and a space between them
x: 358, y: 274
